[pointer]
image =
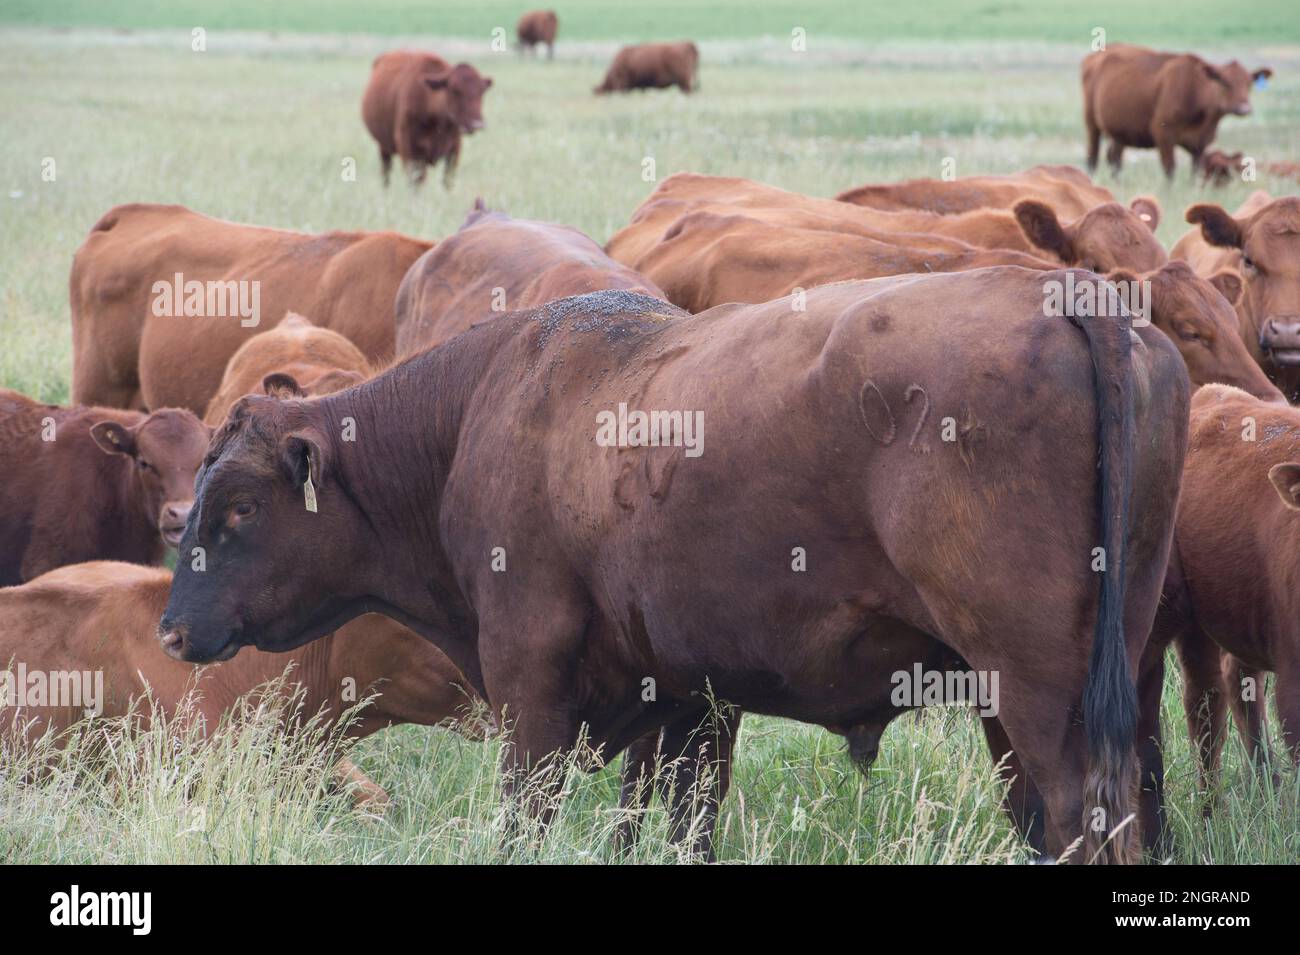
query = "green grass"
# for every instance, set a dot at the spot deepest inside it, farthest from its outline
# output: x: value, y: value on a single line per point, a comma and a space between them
x: 1162, y: 21
x: 256, y: 130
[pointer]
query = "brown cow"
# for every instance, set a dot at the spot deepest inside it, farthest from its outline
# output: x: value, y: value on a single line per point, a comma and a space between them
x: 1106, y: 237
x: 83, y: 483
x: 706, y: 259
x: 496, y: 263
x: 100, y: 619
x: 492, y: 481
x: 316, y: 360
x: 1146, y: 99
x: 1230, y: 596
x: 1197, y: 315
x: 1066, y: 189
x: 652, y: 66
x: 538, y: 26
x: 129, y: 352
x: 1262, y: 242
x: 417, y: 106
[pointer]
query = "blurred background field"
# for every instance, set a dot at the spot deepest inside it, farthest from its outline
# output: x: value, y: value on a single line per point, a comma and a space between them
x: 258, y: 129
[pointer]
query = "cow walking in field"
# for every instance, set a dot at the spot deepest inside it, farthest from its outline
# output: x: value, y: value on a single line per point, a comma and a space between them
x: 82, y: 483
x: 1146, y: 99
x: 566, y: 562
x: 538, y: 26
x: 417, y: 106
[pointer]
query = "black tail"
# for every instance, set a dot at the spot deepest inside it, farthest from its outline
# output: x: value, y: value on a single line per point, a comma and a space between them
x: 1110, y: 697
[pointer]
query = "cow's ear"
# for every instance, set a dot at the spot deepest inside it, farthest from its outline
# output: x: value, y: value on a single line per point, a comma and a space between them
x: 302, y: 456
x: 1263, y: 73
x: 1146, y: 209
x: 1217, y: 227
x: 1041, y: 227
x: 1286, y: 481
x: 438, y: 82
x: 1229, y: 285
x: 113, y: 438
x: 284, y: 386
x: 487, y: 82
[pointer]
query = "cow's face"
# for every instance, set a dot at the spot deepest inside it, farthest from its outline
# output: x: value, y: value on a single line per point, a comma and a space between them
x: 1103, y: 239
x: 463, y: 88
x: 1230, y: 86
x: 1269, y: 246
x: 258, y: 566
x: 1197, y: 316
x: 165, y: 449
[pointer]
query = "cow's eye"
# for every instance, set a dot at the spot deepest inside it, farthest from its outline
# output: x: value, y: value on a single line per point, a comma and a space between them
x: 144, y: 465
x: 245, y: 509
x: 1248, y: 262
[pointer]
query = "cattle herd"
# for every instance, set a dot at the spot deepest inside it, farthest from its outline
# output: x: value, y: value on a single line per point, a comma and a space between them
x: 762, y: 448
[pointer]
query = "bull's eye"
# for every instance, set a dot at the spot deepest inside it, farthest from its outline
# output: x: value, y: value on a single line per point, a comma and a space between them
x: 1248, y: 262
x: 144, y: 465
x: 245, y: 509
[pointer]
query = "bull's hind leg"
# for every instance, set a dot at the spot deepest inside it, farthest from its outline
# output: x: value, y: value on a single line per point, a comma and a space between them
x: 1115, y: 156
x: 386, y: 166
x: 1094, y: 142
x: 1150, y: 751
x: 1023, y: 801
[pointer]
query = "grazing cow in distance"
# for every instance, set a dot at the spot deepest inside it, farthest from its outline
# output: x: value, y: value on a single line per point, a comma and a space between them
x: 103, y: 617
x: 538, y: 26
x: 417, y: 106
x: 308, y: 360
x: 1066, y: 189
x: 496, y: 263
x: 82, y: 483
x: 1147, y: 99
x: 1262, y: 243
x: 652, y: 66
x: 131, y: 348
x: 492, y: 483
x: 1229, y: 602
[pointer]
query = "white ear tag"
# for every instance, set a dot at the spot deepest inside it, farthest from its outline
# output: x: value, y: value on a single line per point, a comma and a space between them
x: 309, y: 492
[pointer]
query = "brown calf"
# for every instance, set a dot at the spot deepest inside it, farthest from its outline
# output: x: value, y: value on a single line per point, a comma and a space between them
x: 317, y: 360
x: 81, y: 484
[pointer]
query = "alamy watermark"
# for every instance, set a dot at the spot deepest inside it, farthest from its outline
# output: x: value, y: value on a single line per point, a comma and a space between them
x: 651, y: 429
x: 1092, y: 298
x: 216, y: 298
x: 921, y: 687
x: 83, y: 689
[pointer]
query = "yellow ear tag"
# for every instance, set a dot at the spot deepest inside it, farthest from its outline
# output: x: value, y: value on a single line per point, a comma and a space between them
x: 309, y: 493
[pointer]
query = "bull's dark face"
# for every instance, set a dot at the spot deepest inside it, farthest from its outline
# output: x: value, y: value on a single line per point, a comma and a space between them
x: 1109, y: 237
x: 256, y: 565
x: 1232, y: 83
x: 1269, y: 247
x: 463, y: 88
x: 165, y: 449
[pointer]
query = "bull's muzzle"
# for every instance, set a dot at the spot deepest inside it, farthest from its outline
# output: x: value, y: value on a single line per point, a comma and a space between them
x: 1280, y: 338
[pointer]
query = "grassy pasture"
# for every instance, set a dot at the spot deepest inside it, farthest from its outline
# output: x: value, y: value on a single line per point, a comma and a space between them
x: 257, y: 129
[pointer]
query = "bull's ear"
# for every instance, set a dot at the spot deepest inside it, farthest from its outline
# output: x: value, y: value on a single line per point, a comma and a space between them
x: 302, y: 455
x: 1263, y: 73
x: 1146, y: 209
x: 1038, y: 222
x: 1217, y: 227
x: 279, y: 384
x: 1286, y: 481
x: 1229, y: 285
x: 113, y: 438
x: 438, y: 82
x: 487, y: 82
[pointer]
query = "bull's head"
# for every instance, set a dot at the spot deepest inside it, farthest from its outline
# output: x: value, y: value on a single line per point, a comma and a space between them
x: 1105, y: 238
x: 461, y: 90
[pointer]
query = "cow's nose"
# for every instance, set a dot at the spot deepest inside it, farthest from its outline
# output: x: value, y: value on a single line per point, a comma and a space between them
x: 475, y: 125
x: 1243, y: 109
x: 170, y: 636
x: 177, y: 513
